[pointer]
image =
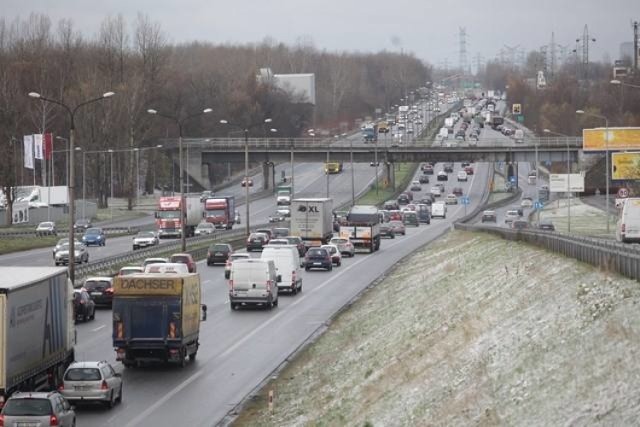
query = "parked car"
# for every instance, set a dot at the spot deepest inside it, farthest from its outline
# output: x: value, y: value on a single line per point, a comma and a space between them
x: 256, y: 241
x: 82, y: 224
x: 229, y: 263
x: 397, y: 227
x: 92, y: 382
x: 94, y: 236
x: 100, y: 289
x: 186, y: 259
x: 219, y: 253
x: 489, y: 216
x: 344, y: 246
x: 318, y: 258
x: 47, y: 228
x: 61, y: 257
x: 83, y: 306
x: 334, y: 252
x: 145, y: 239
x: 205, y: 228
x: 31, y: 408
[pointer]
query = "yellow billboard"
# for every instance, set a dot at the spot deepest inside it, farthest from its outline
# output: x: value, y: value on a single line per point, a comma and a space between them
x: 627, y: 138
x: 625, y: 165
x: 153, y: 284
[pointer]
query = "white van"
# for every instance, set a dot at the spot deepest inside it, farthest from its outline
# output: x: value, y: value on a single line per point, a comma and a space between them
x: 518, y: 135
x: 253, y: 281
x: 628, y: 227
x: 438, y: 210
x: 287, y: 261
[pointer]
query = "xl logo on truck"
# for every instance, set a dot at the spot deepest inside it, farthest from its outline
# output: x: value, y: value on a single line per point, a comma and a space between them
x: 308, y: 209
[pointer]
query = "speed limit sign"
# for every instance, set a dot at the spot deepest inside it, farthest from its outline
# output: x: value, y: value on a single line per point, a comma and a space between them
x: 623, y: 193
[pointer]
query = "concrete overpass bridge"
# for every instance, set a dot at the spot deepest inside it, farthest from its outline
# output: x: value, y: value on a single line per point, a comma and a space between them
x: 202, y: 155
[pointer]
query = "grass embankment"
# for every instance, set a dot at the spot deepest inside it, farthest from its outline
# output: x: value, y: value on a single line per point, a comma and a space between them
x: 470, y: 330
x: 498, y: 189
x: 404, y: 173
x: 9, y: 245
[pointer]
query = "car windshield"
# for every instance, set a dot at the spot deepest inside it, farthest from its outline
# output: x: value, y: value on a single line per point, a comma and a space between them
x: 154, y: 261
x: 97, y: 284
x: 205, y: 225
x: 240, y: 256
x: 82, y: 221
x: 168, y: 214
x: 317, y: 252
x: 83, y: 374
x: 27, y: 407
x: 92, y: 231
x: 220, y: 248
x: 216, y: 212
x: 293, y: 240
x: 46, y: 225
x: 126, y: 271
x: 146, y: 234
x: 331, y: 249
x: 338, y: 241
x: 180, y: 258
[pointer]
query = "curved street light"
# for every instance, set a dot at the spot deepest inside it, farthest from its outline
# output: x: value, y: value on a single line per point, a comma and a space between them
x: 246, y: 130
x: 71, y: 184
x: 179, y: 121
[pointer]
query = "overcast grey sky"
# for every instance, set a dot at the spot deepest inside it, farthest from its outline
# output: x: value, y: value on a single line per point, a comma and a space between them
x: 427, y: 28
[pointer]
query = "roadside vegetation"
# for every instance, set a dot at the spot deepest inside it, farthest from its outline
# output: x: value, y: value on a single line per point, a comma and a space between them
x: 470, y: 330
x: 11, y: 244
x: 404, y: 172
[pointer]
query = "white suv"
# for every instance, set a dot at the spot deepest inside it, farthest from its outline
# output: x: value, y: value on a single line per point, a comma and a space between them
x: 91, y: 382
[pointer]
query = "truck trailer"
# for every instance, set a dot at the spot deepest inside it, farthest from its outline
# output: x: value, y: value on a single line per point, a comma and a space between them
x: 220, y: 211
x: 312, y: 220
x: 363, y: 228
x: 37, y: 332
x: 168, y: 215
x: 156, y: 318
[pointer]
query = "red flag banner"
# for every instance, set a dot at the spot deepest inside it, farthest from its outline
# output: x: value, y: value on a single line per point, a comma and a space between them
x: 48, y: 145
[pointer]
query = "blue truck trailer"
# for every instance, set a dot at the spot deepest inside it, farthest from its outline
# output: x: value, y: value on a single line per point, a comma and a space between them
x: 37, y: 329
x: 156, y: 318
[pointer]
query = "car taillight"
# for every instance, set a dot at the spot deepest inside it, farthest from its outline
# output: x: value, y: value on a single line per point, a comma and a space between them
x: 269, y: 284
x: 248, y: 240
x: 53, y: 420
x: 1, y: 420
x: 208, y: 254
x: 104, y: 385
x: 172, y: 330
x: 120, y: 330
x: 82, y: 302
x: 61, y: 387
x: 293, y: 279
x: 108, y: 290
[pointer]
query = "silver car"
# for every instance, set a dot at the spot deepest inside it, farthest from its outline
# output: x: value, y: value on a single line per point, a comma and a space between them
x: 38, y: 409
x: 46, y: 228
x: 144, y: 239
x: 205, y: 228
x: 62, y: 256
x: 92, y: 382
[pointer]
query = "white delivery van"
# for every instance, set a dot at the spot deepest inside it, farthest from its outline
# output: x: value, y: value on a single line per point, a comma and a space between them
x: 286, y: 258
x: 444, y: 133
x: 253, y: 282
x: 628, y: 227
x: 518, y: 135
x: 438, y: 210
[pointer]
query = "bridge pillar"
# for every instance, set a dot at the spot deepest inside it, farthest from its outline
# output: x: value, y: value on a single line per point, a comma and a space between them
x: 268, y: 178
x: 197, y: 170
x: 390, y: 175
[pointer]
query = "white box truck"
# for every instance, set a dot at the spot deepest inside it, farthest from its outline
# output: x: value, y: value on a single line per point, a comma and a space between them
x: 312, y: 220
x: 37, y: 331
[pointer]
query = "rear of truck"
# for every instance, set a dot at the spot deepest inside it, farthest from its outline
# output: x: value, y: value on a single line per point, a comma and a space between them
x: 363, y: 228
x: 156, y: 318
x: 37, y: 330
x: 312, y: 220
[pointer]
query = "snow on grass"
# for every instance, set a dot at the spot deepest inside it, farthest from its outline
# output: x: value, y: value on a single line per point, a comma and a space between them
x: 471, y: 330
x: 585, y: 219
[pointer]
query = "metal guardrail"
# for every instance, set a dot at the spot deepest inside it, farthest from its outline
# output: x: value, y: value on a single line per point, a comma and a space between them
x: 109, y: 231
x: 607, y: 255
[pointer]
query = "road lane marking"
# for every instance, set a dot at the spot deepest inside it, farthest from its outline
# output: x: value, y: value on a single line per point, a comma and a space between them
x: 98, y: 328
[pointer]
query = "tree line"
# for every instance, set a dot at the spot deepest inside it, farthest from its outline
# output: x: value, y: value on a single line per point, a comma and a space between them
x: 137, y: 62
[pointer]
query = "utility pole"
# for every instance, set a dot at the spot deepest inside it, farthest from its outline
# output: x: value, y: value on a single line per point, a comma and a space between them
x: 636, y: 51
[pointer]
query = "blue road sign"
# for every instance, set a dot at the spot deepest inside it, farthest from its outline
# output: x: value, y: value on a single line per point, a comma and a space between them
x: 464, y: 200
x: 538, y: 205
x: 512, y: 179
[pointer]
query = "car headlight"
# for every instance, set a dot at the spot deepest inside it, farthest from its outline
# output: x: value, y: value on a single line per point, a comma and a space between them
x: 99, y: 237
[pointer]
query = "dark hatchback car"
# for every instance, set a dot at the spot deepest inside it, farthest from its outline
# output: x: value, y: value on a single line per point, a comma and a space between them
x: 318, y: 258
x: 257, y: 241
x: 83, y: 306
x: 423, y: 179
x: 387, y: 231
x: 219, y: 253
x: 82, y: 225
x: 403, y: 199
x: 100, y: 290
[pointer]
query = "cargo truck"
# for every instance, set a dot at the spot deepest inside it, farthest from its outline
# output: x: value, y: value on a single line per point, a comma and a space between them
x: 370, y: 133
x: 37, y: 332
x: 363, y: 228
x: 220, y: 211
x: 156, y: 318
x: 283, y: 194
x: 312, y: 220
x: 168, y: 215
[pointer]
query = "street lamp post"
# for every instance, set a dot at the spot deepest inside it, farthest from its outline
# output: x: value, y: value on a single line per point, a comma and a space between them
x: 606, y: 142
x: 568, y: 176
x: 180, y: 122
x: 246, y: 130
x: 71, y: 184
x: 111, y: 181
x: 353, y: 187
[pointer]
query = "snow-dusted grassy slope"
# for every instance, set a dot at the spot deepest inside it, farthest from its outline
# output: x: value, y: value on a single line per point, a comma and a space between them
x: 472, y: 330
